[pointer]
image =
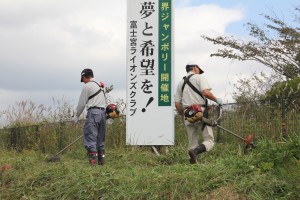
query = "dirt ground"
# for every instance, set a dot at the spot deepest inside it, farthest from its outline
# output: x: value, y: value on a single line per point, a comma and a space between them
x: 225, y: 193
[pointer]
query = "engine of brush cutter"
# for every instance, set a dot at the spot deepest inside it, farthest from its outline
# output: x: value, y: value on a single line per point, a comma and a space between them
x: 112, y: 111
x: 193, y: 113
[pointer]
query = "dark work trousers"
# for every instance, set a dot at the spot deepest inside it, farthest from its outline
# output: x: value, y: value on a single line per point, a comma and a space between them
x: 94, y: 130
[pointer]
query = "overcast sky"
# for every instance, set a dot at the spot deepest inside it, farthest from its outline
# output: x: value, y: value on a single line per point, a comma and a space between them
x: 45, y: 44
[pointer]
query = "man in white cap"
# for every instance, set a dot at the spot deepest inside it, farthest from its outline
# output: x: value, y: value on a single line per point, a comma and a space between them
x: 195, y: 90
x: 93, y: 98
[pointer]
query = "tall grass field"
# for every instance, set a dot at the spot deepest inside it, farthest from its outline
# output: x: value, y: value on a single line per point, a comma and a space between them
x: 269, y: 171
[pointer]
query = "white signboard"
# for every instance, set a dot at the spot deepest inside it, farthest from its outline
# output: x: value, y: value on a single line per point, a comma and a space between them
x: 150, y: 109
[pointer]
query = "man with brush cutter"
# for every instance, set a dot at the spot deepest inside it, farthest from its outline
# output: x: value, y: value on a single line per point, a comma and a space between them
x: 93, y: 98
x: 191, y: 97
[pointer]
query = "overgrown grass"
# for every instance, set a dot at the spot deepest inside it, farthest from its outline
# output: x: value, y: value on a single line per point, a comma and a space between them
x: 271, y: 171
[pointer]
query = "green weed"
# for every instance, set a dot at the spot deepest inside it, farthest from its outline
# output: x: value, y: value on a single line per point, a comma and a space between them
x: 138, y: 173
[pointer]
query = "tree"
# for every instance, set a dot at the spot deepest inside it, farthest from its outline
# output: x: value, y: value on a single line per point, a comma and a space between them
x: 277, y: 47
x: 287, y: 92
x: 253, y: 88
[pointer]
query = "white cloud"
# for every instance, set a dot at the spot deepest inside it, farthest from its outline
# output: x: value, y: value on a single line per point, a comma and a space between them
x: 191, y: 23
x: 46, y: 44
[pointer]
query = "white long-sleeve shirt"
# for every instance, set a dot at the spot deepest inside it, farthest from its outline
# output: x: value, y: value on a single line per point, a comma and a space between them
x: 88, y: 90
x: 188, y: 97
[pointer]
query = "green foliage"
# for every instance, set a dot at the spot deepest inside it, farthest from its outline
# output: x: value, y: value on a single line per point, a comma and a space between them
x: 289, y: 91
x: 276, y: 45
x: 271, y: 171
x: 279, y: 153
x: 284, y: 89
x: 116, y: 133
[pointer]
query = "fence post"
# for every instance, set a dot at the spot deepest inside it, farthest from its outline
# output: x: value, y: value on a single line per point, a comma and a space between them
x: 36, y: 133
x: 13, y: 138
x: 60, y: 138
x: 219, y: 132
x: 283, y: 118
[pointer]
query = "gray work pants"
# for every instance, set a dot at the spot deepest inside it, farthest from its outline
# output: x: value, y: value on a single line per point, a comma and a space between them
x: 94, y: 130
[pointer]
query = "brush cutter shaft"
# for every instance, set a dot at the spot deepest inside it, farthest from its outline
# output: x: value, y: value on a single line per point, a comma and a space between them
x: 247, y: 140
x: 208, y: 121
x: 215, y: 123
x: 68, y: 146
x: 230, y: 132
x: 212, y: 123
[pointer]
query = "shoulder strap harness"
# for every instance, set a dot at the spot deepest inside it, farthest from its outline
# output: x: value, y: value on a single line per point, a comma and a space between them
x: 100, y: 90
x: 187, y: 81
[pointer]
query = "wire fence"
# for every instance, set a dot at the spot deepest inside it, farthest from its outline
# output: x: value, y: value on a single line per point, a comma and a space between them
x: 48, y: 137
x: 273, y: 119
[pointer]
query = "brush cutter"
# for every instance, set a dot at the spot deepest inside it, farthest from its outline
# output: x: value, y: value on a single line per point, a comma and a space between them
x: 196, y: 115
x: 56, y: 157
x: 112, y: 112
x: 248, y: 140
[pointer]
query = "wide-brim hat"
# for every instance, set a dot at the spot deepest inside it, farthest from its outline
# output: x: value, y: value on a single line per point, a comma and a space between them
x: 192, y: 64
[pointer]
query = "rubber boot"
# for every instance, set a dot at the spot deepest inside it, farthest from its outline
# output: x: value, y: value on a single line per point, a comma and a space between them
x: 101, y: 157
x: 193, y: 153
x: 92, y: 158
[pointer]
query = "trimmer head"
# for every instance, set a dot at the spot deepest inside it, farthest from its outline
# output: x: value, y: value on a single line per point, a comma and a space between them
x: 54, y: 159
x: 248, y: 139
x: 249, y: 144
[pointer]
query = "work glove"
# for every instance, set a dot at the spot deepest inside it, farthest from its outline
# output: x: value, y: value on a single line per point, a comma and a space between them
x: 219, y: 101
x: 75, y: 119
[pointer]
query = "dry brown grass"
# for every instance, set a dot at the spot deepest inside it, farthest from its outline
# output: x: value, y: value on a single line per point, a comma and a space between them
x: 225, y: 193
